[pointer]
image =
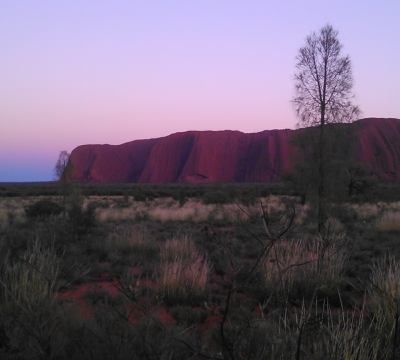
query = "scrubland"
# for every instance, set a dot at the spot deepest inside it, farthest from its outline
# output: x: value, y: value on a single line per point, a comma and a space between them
x: 197, y: 275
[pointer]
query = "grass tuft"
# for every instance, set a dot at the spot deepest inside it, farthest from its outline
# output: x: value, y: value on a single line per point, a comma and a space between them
x: 183, y: 272
x: 298, y: 269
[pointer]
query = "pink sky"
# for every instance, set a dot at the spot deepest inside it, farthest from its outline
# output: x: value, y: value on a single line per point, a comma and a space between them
x: 81, y: 72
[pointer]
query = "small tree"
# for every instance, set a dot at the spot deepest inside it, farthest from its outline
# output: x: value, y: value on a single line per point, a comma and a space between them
x: 79, y: 219
x: 60, y: 173
x: 323, y: 84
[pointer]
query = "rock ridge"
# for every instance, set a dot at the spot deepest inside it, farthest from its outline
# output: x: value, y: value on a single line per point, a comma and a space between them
x: 224, y: 156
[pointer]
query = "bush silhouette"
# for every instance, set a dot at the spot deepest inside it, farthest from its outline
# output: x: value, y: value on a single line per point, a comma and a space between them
x: 216, y: 197
x: 43, y: 209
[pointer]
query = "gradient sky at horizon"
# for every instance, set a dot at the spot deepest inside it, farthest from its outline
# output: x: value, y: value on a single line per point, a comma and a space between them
x: 93, y: 72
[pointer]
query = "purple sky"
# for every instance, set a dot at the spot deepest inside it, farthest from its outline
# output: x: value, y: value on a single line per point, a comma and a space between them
x: 93, y: 72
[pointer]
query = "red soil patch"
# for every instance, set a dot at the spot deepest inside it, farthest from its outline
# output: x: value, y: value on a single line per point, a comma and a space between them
x: 75, y: 296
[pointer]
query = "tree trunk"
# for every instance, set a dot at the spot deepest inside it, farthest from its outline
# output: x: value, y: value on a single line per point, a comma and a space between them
x: 321, y: 186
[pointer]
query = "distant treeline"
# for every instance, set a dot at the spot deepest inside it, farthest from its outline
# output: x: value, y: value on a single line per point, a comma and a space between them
x: 147, y: 191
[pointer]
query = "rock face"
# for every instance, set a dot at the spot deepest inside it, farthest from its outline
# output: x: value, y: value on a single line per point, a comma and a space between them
x: 224, y: 156
x: 380, y: 147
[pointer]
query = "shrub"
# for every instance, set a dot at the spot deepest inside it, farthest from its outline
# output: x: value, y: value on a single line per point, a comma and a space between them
x: 43, y: 209
x: 248, y: 198
x: 232, y: 192
x: 182, y: 196
x: 80, y: 220
x: 139, y: 194
x: 216, y: 197
x: 344, y: 213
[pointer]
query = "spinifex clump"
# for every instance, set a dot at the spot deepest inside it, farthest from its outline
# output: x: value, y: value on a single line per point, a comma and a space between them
x: 182, y: 273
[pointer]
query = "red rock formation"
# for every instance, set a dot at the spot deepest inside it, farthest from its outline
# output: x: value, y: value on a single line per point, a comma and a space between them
x: 213, y: 156
x: 380, y: 147
x: 109, y: 163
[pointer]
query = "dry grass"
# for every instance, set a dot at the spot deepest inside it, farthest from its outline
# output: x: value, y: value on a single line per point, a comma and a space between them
x: 138, y: 240
x: 303, y: 266
x: 31, y: 315
x: 193, y: 210
x: 165, y: 209
x: 384, y: 295
x: 301, y: 213
x: 33, y: 279
x: 388, y: 221
x: 113, y: 214
x: 369, y: 211
x: 12, y: 210
x: 334, y: 225
x: 342, y: 334
x: 183, y: 271
x: 384, y: 290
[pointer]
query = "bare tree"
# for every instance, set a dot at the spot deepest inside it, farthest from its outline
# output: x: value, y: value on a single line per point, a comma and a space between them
x: 60, y: 172
x: 323, y: 84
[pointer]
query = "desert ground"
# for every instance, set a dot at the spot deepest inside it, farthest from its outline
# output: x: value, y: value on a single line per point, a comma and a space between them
x: 222, y: 271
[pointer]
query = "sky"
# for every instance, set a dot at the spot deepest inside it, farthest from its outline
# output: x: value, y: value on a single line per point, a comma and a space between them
x: 108, y: 72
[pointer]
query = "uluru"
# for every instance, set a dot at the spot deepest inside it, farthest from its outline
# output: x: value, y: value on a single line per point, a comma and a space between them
x: 225, y: 156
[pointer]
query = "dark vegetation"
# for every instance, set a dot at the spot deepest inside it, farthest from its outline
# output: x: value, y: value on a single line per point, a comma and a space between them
x: 374, y: 193
x: 264, y: 285
x: 323, y: 95
x: 43, y: 209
